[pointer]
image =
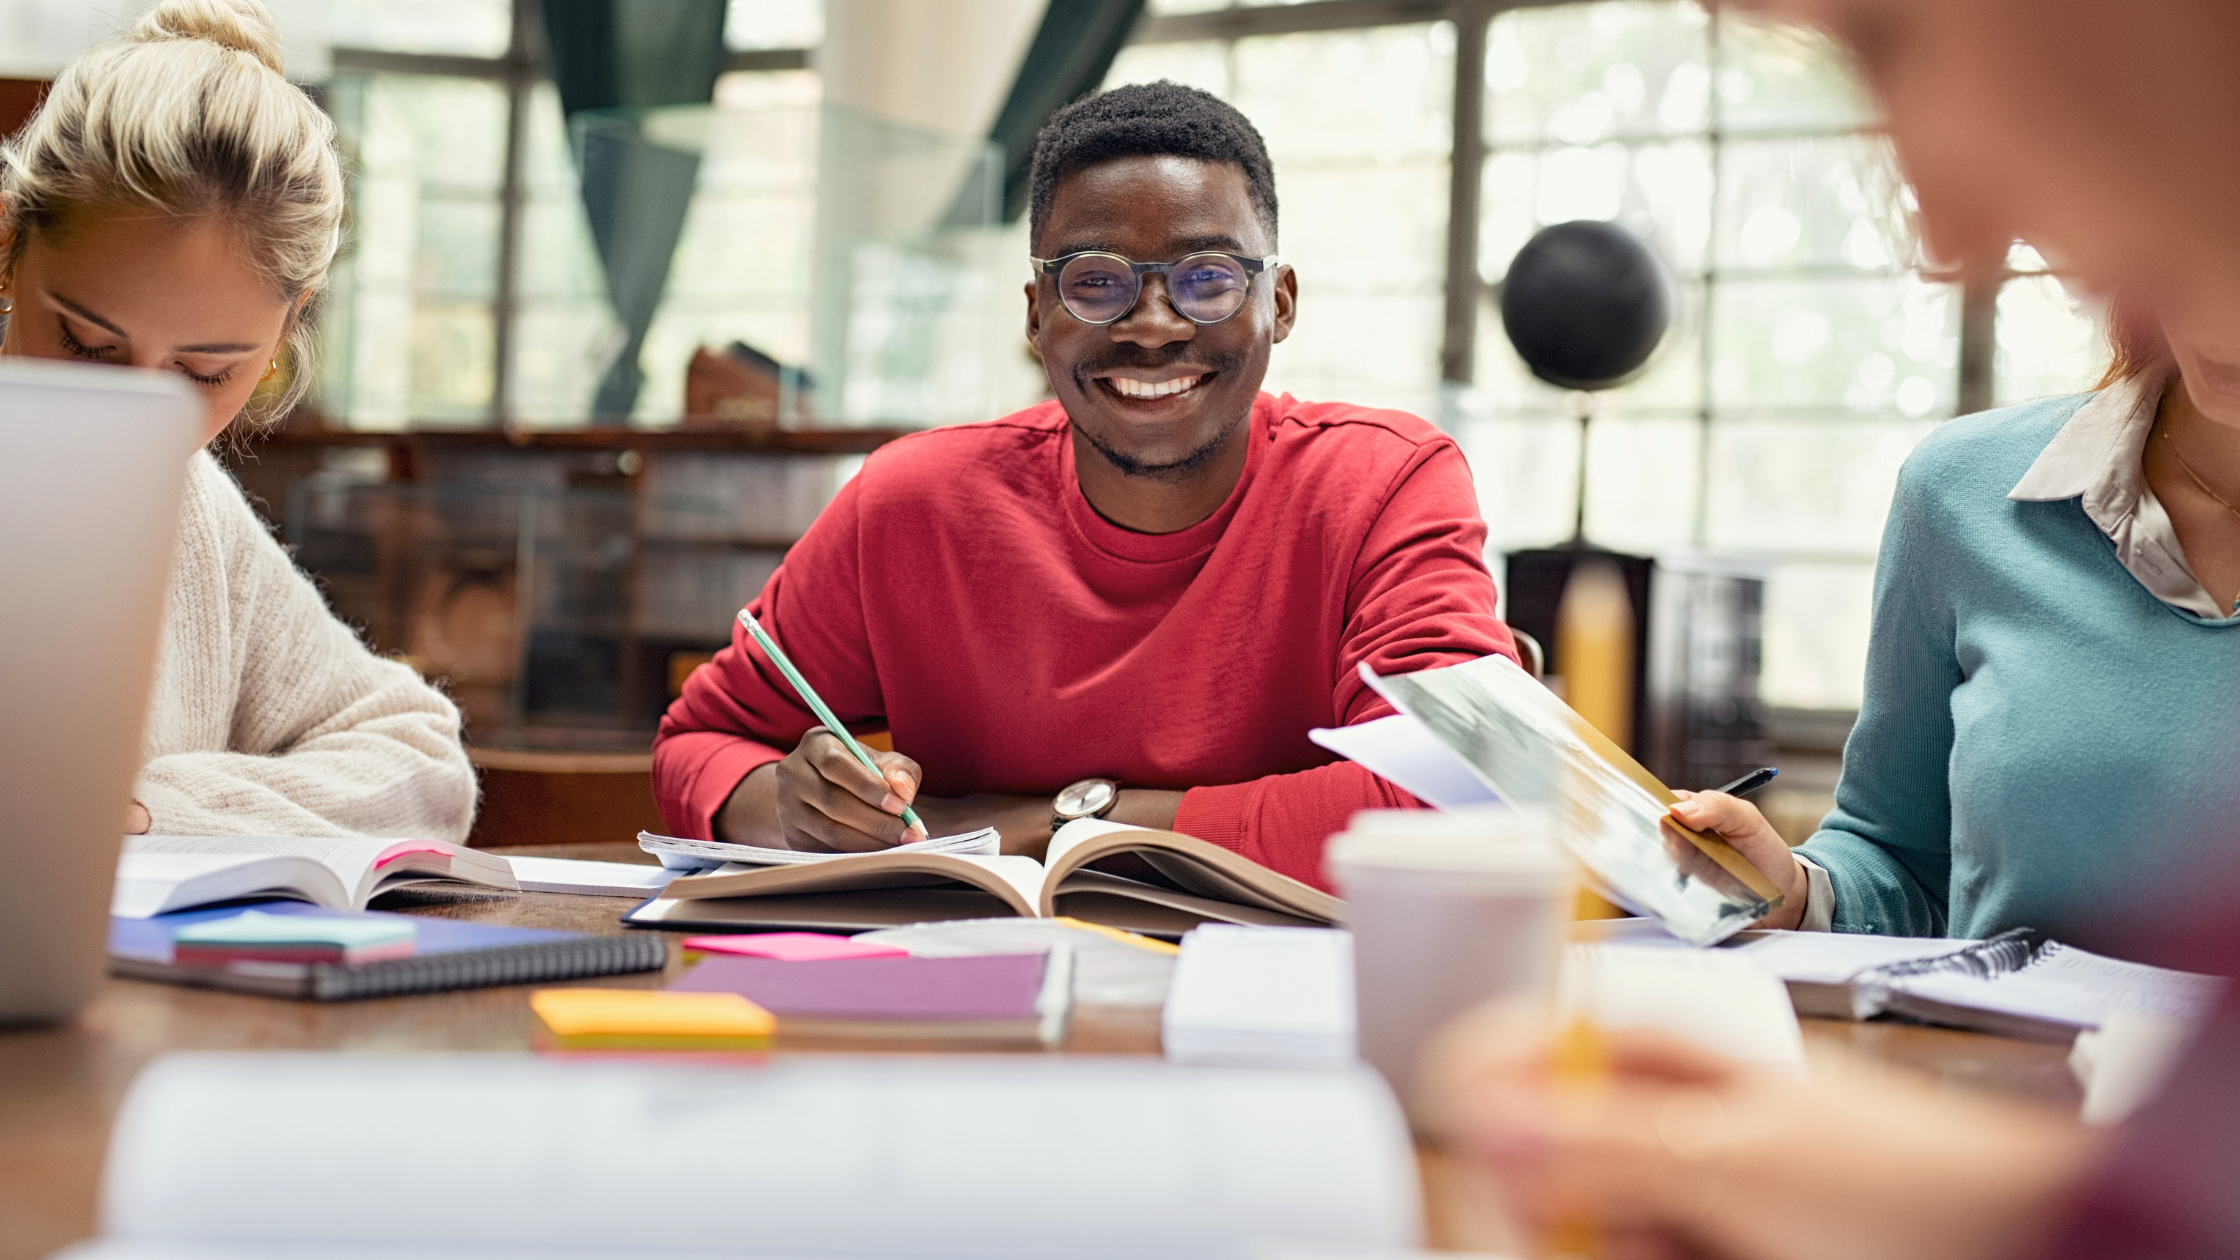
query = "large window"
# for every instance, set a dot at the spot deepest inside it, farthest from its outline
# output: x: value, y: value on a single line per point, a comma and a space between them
x: 1810, y: 351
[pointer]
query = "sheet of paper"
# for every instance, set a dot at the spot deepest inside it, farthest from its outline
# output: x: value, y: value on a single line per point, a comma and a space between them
x: 590, y: 879
x: 1835, y: 957
x: 1404, y: 752
x: 1265, y: 996
x: 1535, y: 751
x: 1710, y: 997
x: 679, y: 853
x: 1000, y: 1157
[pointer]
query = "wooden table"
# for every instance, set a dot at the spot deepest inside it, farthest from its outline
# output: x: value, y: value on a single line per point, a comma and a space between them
x: 60, y: 1087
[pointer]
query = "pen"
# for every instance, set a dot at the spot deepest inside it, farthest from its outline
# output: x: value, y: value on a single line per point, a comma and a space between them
x: 817, y: 706
x: 1750, y: 782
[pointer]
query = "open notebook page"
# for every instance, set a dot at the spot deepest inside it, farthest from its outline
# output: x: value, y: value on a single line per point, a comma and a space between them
x: 2066, y: 985
x: 679, y: 853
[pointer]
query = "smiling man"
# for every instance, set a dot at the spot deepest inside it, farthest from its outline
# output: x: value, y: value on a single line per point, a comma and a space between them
x: 1132, y: 601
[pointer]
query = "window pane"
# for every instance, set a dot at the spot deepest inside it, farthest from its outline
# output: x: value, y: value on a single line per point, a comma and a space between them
x: 1805, y: 486
x: 2049, y: 343
x: 1579, y: 74
x: 741, y: 270
x: 472, y: 28
x: 1661, y: 191
x: 1358, y: 129
x: 565, y: 332
x: 773, y: 24
x: 1525, y: 467
x: 410, y: 336
x: 1868, y: 346
x: 1641, y: 482
x: 1816, y: 622
x: 1202, y: 66
x: 1817, y: 202
x: 1781, y: 77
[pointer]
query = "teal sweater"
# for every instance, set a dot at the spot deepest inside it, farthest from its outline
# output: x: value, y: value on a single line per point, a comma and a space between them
x: 2040, y: 737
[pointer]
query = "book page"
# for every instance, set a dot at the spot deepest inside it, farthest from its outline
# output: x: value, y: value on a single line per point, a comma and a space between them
x: 1205, y: 871
x: 149, y: 884
x: 349, y: 858
x: 1399, y: 750
x: 879, y: 1157
x: 1836, y: 957
x: 679, y: 853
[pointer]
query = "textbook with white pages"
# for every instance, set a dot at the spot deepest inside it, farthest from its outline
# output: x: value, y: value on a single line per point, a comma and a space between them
x: 158, y: 874
x: 894, y: 1157
x: 1183, y: 882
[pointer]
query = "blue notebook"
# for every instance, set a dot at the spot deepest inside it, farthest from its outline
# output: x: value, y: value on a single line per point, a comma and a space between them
x: 446, y: 954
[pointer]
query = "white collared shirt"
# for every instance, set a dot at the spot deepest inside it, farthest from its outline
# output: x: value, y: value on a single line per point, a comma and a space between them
x: 2098, y: 458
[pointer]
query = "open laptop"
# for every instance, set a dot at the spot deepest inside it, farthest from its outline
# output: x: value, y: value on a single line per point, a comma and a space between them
x: 92, y: 464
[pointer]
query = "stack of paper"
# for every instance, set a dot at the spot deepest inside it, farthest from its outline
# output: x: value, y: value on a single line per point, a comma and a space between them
x: 1276, y: 997
x: 1709, y: 997
x: 650, y: 1019
x: 790, y: 946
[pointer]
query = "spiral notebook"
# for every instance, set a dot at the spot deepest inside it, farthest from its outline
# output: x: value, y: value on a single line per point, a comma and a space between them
x: 446, y: 954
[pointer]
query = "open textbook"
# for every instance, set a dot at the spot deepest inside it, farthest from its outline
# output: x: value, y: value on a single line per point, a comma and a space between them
x: 1530, y: 748
x: 480, y: 1156
x: 158, y: 874
x: 1195, y: 883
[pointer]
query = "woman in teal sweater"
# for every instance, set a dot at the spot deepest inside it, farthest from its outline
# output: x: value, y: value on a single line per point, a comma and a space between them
x: 2049, y: 721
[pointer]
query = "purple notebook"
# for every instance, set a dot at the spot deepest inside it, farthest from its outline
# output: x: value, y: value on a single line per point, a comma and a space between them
x: 990, y: 988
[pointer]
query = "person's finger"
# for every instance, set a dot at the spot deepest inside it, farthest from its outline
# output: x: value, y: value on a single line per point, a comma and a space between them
x: 817, y: 815
x: 1716, y: 811
x: 832, y: 760
x: 903, y: 777
x: 848, y: 824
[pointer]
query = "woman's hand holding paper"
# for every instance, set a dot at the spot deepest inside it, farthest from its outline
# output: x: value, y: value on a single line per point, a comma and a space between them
x: 1739, y: 823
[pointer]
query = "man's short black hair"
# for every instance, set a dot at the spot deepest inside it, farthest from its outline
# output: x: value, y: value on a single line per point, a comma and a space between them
x: 1160, y: 119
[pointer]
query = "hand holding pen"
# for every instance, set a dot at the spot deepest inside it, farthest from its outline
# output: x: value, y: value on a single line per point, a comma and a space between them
x: 827, y: 760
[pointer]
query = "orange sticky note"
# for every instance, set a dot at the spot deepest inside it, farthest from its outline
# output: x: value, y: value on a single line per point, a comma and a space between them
x: 649, y: 1019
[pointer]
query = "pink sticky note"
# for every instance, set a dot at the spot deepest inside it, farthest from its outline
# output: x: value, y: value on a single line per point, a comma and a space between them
x: 793, y: 946
x: 395, y: 851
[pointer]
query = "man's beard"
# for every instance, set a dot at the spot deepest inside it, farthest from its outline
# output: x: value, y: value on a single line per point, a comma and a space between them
x: 1132, y: 466
x: 1173, y: 470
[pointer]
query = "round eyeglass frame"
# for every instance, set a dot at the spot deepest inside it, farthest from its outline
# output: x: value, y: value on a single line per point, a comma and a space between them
x: 1253, y: 268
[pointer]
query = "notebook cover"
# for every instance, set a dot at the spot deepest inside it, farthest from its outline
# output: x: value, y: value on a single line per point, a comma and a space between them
x: 448, y: 954
x: 987, y: 988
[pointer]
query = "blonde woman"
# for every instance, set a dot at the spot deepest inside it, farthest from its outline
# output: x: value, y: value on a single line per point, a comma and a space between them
x: 174, y: 206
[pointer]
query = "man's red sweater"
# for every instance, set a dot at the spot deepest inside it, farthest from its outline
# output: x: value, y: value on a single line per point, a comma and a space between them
x: 961, y: 592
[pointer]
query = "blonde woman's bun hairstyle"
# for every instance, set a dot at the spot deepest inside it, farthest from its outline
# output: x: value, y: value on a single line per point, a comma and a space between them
x: 189, y: 114
x: 241, y: 25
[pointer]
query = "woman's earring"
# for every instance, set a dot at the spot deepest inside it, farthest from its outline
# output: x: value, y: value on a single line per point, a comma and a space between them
x: 270, y: 372
x: 7, y: 305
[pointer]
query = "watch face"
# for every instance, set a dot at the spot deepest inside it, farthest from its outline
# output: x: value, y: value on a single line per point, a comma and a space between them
x: 1090, y: 796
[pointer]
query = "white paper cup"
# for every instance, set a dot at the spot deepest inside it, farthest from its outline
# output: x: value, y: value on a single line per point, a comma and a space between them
x: 1448, y: 909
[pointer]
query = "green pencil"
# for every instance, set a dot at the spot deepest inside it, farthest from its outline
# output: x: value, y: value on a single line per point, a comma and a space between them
x: 817, y: 706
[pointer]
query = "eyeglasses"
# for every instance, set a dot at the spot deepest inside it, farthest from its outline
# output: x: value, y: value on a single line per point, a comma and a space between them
x: 1099, y: 288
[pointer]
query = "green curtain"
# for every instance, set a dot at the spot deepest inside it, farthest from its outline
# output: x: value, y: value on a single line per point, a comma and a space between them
x: 612, y: 59
x: 1072, y: 51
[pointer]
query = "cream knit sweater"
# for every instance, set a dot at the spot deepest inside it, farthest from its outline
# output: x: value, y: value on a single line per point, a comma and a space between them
x: 269, y: 716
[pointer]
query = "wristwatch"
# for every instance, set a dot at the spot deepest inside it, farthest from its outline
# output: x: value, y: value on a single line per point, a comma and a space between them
x: 1089, y: 798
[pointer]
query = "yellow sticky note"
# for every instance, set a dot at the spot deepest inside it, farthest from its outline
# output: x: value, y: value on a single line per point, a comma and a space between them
x: 574, y: 1014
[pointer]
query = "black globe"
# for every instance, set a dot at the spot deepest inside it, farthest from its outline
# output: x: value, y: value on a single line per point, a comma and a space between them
x: 1585, y: 303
